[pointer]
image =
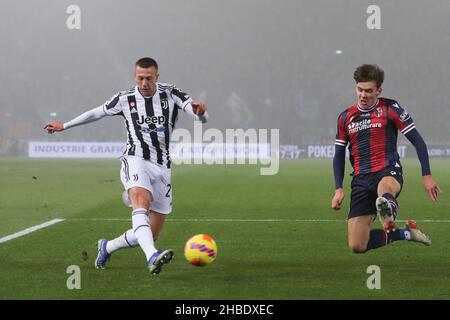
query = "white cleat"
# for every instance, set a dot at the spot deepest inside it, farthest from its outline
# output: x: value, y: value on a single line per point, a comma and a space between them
x: 384, y: 211
x: 416, y: 234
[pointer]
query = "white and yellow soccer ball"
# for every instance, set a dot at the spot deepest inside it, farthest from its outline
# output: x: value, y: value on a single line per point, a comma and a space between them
x: 200, y: 250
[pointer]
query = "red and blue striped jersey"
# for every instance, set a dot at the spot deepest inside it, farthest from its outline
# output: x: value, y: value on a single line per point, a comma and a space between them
x: 371, y: 134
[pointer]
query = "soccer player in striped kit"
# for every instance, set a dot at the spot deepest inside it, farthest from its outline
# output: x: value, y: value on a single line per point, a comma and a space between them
x: 150, y: 111
x: 370, y: 129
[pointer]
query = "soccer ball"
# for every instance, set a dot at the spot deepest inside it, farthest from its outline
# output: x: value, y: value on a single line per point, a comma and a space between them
x: 200, y: 250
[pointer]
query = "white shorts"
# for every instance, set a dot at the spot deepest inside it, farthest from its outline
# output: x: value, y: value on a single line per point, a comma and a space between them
x: 137, y: 172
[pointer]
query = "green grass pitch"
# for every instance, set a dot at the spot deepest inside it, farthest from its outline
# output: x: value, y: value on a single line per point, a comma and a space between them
x: 277, y: 236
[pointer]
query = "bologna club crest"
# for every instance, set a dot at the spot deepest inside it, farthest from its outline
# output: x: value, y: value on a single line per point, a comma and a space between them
x: 379, y: 112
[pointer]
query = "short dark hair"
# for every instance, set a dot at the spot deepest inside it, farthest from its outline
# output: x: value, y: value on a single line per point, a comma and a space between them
x: 369, y: 72
x: 146, y: 62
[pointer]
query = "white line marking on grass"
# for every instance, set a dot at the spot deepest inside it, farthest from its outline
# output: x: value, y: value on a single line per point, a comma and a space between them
x: 29, y: 230
x: 254, y: 220
x: 212, y: 220
x: 99, y: 219
x: 246, y: 220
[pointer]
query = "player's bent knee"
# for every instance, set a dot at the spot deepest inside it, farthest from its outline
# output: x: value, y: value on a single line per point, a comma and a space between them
x: 140, y: 197
x: 357, y: 247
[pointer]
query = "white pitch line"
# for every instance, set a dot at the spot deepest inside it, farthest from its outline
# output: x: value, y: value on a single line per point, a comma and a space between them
x: 29, y: 230
x: 245, y: 220
x: 254, y: 220
x: 211, y: 220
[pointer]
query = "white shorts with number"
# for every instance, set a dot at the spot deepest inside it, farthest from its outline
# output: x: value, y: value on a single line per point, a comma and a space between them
x: 137, y: 172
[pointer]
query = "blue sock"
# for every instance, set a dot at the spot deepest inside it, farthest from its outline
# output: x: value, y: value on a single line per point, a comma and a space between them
x: 394, y: 204
x: 379, y: 238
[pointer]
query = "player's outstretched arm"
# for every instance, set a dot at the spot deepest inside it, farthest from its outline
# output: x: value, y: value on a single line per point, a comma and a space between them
x: 431, y: 187
x: 87, y: 117
x: 429, y: 184
x: 54, y: 126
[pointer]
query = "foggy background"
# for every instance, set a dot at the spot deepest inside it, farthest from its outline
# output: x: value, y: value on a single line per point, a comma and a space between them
x: 256, y: 63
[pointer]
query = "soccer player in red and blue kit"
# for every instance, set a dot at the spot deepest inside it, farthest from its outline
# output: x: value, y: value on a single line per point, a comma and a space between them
x: 370, y: 129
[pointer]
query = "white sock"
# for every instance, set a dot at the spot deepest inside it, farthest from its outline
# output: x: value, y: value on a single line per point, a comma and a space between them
x: 407, y: 235
x: 125, y: 240
x: 143, y: 232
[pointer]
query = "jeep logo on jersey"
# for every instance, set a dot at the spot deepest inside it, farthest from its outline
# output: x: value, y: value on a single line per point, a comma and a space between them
x: 151, y: 120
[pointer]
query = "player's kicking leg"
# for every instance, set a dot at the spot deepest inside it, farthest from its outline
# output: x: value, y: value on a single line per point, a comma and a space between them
x: 128, y: 240
x: 155, y: 263
x: 140, y: 198
x: 387, y: 208
x: 379, y: 237
x: 138, y: 195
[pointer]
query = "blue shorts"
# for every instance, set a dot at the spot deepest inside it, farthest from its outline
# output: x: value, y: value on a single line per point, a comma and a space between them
x: 364, y: 190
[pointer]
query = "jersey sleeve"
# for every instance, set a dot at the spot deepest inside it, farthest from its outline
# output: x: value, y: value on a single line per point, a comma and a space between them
x: 401, y: 118
x: 180, y: 98
x: 113, y: 107
x: 341, y: 134
x: 87, y: 117
x: 184, y: 102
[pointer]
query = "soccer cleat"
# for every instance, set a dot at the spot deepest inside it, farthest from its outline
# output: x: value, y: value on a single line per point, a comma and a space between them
x: 102, y: 256
x: 158, y: 259
x: 416, y: 234
x: 384, y: 211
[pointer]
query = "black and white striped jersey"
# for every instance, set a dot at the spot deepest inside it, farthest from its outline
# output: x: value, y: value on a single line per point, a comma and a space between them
x: 150, y: 120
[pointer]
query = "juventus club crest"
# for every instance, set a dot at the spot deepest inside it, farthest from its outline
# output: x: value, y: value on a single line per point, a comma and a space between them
x: 164, y: 103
